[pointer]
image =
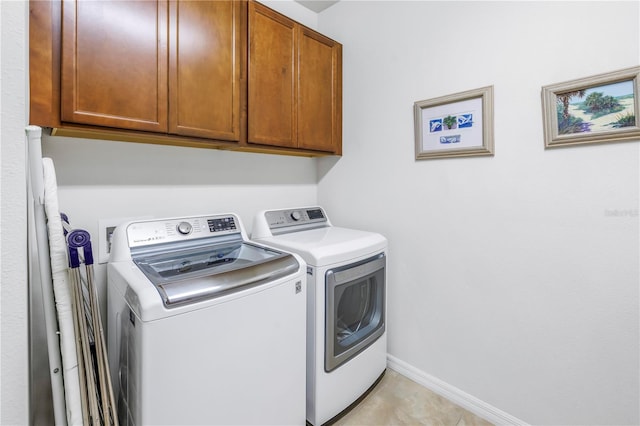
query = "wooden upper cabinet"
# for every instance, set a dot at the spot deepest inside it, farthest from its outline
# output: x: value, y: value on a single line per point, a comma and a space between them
x: 171, y: 67
x: 230, y: 74
x: 272, y: 86
x: 206, y: 68
x: 319, y: 92
x: 114, y: 64
x: 295, y: 84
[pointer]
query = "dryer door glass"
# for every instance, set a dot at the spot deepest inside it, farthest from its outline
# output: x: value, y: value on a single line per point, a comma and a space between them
x: 355, y: 316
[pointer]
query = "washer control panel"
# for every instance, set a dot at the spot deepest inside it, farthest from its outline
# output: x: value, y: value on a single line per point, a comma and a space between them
x: 296, y: 217
x: 180, y: 229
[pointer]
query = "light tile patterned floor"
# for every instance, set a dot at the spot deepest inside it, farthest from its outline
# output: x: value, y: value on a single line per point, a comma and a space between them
x: 397, y: 400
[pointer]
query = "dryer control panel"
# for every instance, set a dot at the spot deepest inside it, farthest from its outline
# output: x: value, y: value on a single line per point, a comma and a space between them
x: 268, y: 223
x: 295, y: 217
x: 291, y: 220
x: 152, y: 232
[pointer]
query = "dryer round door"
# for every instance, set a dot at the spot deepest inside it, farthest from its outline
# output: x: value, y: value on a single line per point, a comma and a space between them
x: 355, y: 309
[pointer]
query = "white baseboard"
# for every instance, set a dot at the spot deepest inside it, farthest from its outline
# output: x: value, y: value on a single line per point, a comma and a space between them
x: 453, y: 394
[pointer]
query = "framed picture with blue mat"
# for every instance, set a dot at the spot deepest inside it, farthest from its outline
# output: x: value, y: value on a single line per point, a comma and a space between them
x: 457, y: 125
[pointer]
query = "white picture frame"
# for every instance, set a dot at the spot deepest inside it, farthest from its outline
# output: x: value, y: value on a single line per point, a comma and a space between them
x: 457, y: 125
x: 574, y: 113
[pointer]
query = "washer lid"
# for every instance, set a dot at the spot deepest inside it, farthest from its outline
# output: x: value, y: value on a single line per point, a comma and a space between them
x: 213, y: 267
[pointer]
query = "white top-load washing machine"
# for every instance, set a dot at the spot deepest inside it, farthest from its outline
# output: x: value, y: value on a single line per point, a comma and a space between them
x: 205, y: 327
x: 346, y: 338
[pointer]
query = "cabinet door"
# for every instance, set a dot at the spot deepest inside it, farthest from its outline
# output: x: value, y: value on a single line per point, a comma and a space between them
x: 272, y: 88
x: 207, y: 39
x: 295, y: 84
x: 114, y: 64
x: 319, y: 92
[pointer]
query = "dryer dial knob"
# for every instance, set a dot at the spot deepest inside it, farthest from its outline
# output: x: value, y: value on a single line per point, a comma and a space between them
x: 184, y: 228
x: 295, y: 215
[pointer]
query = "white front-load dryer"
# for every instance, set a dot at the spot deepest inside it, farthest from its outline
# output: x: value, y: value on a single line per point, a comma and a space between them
x: 204, y: 326
x: 346, y: 304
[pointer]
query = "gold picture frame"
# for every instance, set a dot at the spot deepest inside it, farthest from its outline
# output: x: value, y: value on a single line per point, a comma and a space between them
x: 457, y: 125
x: 597, y: 109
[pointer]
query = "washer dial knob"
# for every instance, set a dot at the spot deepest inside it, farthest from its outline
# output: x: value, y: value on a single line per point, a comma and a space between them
x: 184, y: 228
x: 295, y: 215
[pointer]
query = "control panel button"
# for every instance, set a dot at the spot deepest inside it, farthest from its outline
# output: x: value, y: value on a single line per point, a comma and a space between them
x: 184, y: 228
x: 295, y: 215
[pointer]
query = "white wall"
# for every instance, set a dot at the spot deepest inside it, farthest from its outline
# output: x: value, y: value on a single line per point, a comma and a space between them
x: 13, y: 214
x: 511, y: 278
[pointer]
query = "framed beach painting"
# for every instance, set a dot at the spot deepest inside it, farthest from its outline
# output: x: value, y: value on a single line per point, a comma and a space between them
x: 458, y: 125
x: 601, y: 108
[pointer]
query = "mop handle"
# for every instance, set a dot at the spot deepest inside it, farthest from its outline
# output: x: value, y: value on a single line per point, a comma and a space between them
x: 76, y: 239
